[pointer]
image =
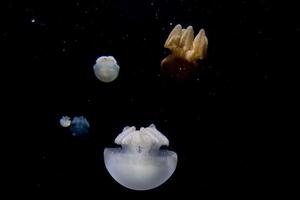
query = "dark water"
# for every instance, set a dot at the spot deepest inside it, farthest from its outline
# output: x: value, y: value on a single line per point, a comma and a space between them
x: 220, y: 122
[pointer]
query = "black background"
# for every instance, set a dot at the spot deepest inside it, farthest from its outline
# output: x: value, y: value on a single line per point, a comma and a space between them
x: 220, y: 123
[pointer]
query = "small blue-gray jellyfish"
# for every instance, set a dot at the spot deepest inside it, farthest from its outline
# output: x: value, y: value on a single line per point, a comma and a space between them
x: 106, y: 68
x: 140, y: 164
x: 79, y: 126
x: 65, y: 121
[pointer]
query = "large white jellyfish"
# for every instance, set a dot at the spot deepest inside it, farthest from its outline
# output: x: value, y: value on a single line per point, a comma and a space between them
x: 140, y: 164
x: 65, y: 121
x: 106, y: 68
x: 79, y: 126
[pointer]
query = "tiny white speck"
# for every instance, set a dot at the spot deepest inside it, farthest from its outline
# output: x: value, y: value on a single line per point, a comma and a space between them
x: 33, y: 20
x: 171, y: 23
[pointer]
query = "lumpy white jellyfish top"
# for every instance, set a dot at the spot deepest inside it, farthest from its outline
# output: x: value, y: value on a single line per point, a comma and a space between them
x: 106, y: 68
x: 65, y: 121
x: 140, y: 164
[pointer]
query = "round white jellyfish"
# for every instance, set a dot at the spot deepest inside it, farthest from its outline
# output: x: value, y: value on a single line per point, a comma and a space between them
x: 65, y: 121
x: 79, y: 126
x: 106, y: 68
x: 140, y: 164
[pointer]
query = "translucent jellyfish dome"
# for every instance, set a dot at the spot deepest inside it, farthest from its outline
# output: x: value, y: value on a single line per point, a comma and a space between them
x: 106, y: 68
x: 140, y: 164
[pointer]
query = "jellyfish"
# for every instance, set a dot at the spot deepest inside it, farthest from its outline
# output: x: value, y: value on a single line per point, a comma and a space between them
x: 106, y: 68
x: 185, y: 52
x: 65, y: 121
x: 140, y: 164
x: 79, y: 126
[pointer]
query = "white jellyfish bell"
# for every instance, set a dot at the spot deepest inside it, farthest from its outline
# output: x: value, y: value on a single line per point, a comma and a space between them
x: 65, y: 121
x: 106, y: 68
x: 140, y: 164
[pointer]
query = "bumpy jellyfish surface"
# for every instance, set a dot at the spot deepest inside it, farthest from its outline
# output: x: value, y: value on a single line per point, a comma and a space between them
x: 185, y: 52
x: 140, y: 164
x: 65, y: 121
x: 79, y: 126
x: 106, y: 68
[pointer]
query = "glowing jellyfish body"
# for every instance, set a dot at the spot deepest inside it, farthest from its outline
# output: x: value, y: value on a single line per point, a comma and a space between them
x: 79, y: 126
x: 106, y: 68
x: 140, y: 164
x: 65, y: 121
x: 185, y: 52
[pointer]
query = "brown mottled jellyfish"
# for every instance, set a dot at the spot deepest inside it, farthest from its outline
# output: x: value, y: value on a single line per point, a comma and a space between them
x: 185, y: 52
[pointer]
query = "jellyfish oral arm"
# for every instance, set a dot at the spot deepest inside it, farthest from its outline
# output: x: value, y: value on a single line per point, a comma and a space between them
x: 183, y: 44
x: 141, y: 141
x: 199, y: 49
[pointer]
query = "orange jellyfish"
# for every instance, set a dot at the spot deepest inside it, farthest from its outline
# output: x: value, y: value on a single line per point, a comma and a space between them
x: 185, y: 52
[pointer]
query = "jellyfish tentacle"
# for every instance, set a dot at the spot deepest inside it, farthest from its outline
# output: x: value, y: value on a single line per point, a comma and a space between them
x: 173, y: 38
x: 187, y: 38
x: 162, y: 140
x: 152, y: 126
x: 120, y: 139
x: 125, y: 128
x: 154, y: 139
x: 199, y: 49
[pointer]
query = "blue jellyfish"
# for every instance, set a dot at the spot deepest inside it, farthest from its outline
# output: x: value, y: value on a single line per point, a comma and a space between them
x: 106, y: 68
x: 79, y: 126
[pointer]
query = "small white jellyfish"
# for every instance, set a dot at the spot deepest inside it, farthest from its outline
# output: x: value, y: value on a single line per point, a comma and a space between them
x: 140, y: 164
x: 79, y: 126
x: 106, y: 68
x: 65, y: 121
